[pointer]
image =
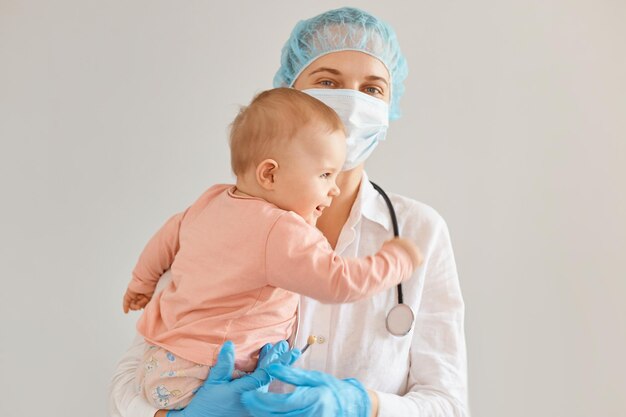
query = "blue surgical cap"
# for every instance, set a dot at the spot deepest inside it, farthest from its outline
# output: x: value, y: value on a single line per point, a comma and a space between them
x: 345, y: 29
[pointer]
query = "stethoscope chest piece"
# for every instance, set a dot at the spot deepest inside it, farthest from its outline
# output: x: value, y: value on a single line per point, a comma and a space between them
x: 400, y: 320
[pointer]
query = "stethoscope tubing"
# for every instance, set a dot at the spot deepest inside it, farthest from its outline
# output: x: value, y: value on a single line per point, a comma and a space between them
x: 394, y: 222
x: 400, y: 318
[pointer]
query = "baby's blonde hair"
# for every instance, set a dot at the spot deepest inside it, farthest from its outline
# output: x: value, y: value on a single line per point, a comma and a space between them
x: 271, y: 120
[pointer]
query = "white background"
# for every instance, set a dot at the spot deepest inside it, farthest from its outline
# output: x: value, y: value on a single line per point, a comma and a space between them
x: 113, y: 116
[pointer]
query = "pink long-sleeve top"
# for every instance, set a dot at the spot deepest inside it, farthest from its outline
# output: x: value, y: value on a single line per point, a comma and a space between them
x: 238, y: 265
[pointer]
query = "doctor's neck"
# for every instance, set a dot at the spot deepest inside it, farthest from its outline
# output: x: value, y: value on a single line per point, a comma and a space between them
x: 334, y: 217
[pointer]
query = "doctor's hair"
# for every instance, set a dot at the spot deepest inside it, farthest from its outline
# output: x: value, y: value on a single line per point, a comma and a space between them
x: 271, y: 120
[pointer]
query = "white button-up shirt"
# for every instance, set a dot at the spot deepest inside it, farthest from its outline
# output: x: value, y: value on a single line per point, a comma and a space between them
x: 421, y: 374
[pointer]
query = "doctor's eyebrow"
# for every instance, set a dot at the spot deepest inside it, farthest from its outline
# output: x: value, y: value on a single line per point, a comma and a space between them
x: 325, y: 69
x: 377, y: 78
x: 337, y: 72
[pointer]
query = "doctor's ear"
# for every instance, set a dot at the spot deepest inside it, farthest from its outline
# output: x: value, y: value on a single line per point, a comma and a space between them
x: 265, y: 173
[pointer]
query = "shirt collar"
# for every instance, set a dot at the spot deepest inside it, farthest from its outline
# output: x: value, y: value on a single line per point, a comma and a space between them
x: 371, y: 204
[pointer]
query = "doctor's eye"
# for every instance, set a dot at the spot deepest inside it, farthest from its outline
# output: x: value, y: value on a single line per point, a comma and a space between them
x: 327, y: 83
x: 373, y: 91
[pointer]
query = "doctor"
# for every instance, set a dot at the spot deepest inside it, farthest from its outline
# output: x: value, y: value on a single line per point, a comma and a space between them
x: 352, y: 61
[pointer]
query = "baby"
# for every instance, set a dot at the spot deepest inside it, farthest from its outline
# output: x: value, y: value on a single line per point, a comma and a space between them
x: 241, y: 255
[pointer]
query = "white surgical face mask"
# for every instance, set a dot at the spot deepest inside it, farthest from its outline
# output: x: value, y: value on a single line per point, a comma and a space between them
x: 365, y: 118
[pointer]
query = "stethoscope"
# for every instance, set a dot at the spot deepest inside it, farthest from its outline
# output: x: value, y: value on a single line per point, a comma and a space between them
x: 400, y: 318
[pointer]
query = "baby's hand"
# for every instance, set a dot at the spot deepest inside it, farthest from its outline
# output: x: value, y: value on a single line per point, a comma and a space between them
x: 410, y: 248
x: 135, y: 301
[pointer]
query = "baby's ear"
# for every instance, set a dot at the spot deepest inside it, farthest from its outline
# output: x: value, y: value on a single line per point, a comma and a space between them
x: 265, y: 173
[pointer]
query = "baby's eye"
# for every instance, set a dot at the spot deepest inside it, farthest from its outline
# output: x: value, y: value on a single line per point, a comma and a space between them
x: 325, y: 175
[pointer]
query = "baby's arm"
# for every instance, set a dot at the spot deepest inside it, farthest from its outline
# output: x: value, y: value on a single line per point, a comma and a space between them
x: 299, y: 259
x: 410, y: 248
x: 156, y: 258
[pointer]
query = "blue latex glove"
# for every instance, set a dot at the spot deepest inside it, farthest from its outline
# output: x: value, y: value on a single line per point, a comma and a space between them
x: 278, y: 353
x: 316, y: 394
x: 220, y: 396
